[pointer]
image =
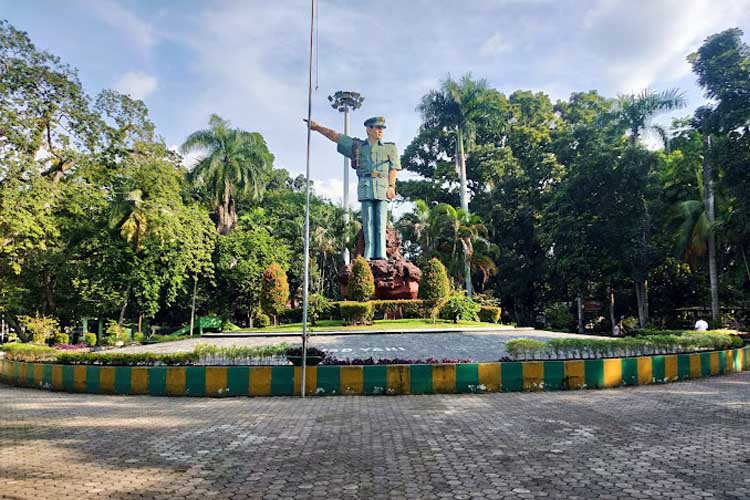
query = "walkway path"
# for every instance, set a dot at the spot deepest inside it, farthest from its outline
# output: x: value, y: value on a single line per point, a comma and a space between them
x: 686, y: 440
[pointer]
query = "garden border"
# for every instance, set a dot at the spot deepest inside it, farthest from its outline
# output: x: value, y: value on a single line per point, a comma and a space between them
x: 222, y: 381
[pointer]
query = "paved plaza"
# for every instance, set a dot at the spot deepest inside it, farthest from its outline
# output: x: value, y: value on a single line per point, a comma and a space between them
x: 477, y: 346
x: 687, y: 440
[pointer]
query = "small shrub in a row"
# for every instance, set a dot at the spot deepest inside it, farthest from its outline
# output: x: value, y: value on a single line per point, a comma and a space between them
x: 356, y: 313
x: 28, y: 353
x: 208, y: 354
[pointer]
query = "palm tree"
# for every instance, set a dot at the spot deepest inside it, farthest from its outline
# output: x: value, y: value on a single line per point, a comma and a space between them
x: 458, y: 108
x: 634, y: 112
x: 235, y: 163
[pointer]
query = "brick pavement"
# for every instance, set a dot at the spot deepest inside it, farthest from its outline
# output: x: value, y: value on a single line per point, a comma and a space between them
x: 688, y: 440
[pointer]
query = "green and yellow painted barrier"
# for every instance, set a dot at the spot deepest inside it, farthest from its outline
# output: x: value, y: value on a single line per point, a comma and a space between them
x: 217, y: 381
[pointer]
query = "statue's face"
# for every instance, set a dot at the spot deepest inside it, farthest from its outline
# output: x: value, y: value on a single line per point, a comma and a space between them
x: 375, y: 133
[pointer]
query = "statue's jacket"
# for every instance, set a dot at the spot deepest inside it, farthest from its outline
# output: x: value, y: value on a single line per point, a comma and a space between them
x: 373, y: 163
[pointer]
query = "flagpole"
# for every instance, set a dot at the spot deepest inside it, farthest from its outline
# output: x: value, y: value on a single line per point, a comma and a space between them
x: 307, y: 205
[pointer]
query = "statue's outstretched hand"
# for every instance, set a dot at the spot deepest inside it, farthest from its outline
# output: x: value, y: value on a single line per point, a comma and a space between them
x: 313, y: 124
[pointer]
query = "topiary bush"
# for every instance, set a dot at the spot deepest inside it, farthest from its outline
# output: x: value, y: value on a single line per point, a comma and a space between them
x: 61, y: 338
x: 361, y: 286
x: 459, y: 307
x: 274, y: 293
x: 490, y: 314
x: 434, y: 286
x: 89, y: 339
x: 262, y: 320
x: 356, y: 313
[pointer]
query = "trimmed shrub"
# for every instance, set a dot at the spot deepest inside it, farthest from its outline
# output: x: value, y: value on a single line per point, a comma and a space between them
x: 61, y: 338
x: 459, y: 307
x: 559, y: 317
x: 28, y: 352
x: 356, y: 313
x: 406, y: 309
x: 262, y: 320
x: 361, y: 286
x: 274, y: 291
x: 41, y: 328
x: 139, y: 338
x: 291, y: 315
x: 490, y: 314
x: 526, y: 348
x: 317, y: 305
x: 90, y: 339
x: 434, y: 286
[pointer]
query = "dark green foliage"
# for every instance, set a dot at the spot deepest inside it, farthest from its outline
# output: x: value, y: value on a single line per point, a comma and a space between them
x: 361, y: 284
x: 262, y: 320
x: 489, y: 314
x: 90, y: 339
x: 61, y: 338
x: 317, y: 306
x: 559, y: 317
x: 434, y: 286
x: 406, y: 309
x: 356, y: 313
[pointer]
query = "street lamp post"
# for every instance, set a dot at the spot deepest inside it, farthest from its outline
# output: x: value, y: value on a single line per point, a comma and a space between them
x: 345, y: 101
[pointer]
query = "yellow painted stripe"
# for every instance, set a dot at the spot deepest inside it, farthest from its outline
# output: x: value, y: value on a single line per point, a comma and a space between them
x: 533, y: 376
x: 21, y: 373
x: 575, y: 374
x: 714, y: 360
x: 670, y: 368
x: 740, y: 358
x: 176, y: 381
x: 139, y: 380
x: 216, y: 381
x: 79, y: 378
x: 695, y: 366
x: 57, y: 377
x: 444, y: 379
x: 351, y: 380
x: 311, y: 379
x: 38, y: 369
x: 260, y: 380
x: 490, y: 376
x: 612, y: 372
x: 107, y: 379
x: 645, y: 373
x: 398, y: 379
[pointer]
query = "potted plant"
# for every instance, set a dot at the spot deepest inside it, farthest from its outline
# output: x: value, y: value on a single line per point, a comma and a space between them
x: 314, y: 355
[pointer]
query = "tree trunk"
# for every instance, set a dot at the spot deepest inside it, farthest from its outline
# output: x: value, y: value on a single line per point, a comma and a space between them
x: 192, y: 307
x: 461, y: 167
x: 709, y: 201
x: 641, y: 296
x: 124, y: 306
x: 581, y: 328
x: 615, y: 328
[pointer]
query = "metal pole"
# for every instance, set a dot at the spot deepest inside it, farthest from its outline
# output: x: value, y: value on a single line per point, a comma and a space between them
x: 346, y: 191
x: 306, y: 280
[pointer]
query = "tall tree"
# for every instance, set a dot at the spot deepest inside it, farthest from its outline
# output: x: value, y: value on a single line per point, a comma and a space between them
x: 236, y: 163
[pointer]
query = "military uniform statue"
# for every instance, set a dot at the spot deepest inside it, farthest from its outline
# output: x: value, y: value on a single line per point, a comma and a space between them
x: 377, y: 164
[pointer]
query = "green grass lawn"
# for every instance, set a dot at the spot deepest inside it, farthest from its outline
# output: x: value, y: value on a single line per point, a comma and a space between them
x: 390, y: 324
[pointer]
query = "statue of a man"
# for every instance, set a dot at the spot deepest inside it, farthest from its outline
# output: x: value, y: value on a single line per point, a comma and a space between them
x: 377, y: 164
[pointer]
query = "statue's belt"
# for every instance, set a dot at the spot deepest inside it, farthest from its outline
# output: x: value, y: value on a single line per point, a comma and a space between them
x: 374, y: 173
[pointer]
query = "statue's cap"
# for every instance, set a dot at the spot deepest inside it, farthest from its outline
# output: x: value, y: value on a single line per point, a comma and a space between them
x: 375, y: 121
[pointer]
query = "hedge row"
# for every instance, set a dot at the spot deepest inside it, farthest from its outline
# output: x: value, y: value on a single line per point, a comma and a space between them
x: 572, y: 348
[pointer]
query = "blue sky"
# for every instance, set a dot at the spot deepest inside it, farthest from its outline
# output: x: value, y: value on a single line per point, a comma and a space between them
x: 247, y: 60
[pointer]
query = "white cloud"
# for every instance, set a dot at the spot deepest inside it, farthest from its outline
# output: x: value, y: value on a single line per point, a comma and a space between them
x: 494, y: 45
x: 120, y: 18
x: 136, y: 84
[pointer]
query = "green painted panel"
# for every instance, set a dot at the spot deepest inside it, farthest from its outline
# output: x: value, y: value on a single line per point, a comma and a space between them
x: 657, y: 368
x: 629, y: 371
x: 195, y: 380
x: 554, y: 375
x: 122, y: 379
x: 723, y: 362
x: 157, y: 380
x: 374, y: 379
x: 30, y: 374
x: 47, y: 376
x: 511, y: 376
x: 683, y: 366
x: 421, y: 379
x: 282, y: 380
x: 328, y: 379
x: 238, y: 380
x: 16, y: 373
x: 705, y: 364
x: 467, y: 377
x: 92, y: 379
x: 67, y: 376
x: 594, y: 373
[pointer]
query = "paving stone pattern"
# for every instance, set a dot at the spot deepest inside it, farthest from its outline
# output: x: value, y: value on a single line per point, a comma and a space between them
x: 687, y: 440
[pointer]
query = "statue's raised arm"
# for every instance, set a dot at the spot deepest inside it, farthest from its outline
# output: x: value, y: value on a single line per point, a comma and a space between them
x: 330, y: 133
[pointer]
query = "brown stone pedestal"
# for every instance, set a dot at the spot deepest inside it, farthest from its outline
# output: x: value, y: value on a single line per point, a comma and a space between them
x: 395, y: 278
